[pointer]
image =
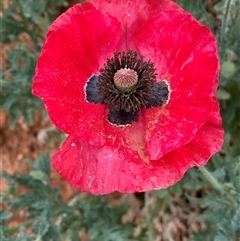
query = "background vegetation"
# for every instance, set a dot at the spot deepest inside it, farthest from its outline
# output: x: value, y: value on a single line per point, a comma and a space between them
x: 212, y: 192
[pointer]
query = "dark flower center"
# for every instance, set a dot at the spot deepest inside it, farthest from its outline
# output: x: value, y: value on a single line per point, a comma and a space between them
x: 127, y: 84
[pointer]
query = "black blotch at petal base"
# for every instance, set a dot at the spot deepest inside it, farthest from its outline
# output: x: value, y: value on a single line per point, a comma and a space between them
x: 122, y: 117
x: 92, y: 94
x: 159, y: 94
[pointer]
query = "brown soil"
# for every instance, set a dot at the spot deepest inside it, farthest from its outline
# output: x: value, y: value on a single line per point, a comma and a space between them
x: 22, y: 143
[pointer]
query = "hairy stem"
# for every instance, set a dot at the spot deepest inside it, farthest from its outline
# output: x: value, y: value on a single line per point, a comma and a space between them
x: 208, y: 175
x: 12, y: 230
x: 224, y: 21
x: 148, y: 213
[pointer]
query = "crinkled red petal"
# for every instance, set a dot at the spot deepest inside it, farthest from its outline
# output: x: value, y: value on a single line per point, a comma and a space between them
x: 208, y: 140
x: 132, y: 14
x: 185, y: 55
x: 113, y: 167
x: 69, y: 57
x: 129, y: 137
x: 65, y: 19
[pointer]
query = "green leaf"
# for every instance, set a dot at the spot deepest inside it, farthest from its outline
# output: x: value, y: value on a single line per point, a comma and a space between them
x: 5, y: 215
x: 40, y: 205
x: 221, y: 237
x: 221, y: 5
x: 223, y: 94
x: 236, y: 221
x: 228, y: 69
x: 192, y: 185
x: 162, y: 193
x: 43, y: 227
x: 39, y: 175
x: 43, y: 164
x: 106, y: 233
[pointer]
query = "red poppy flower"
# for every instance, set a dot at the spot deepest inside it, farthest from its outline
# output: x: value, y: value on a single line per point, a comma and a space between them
x: 133, y: 84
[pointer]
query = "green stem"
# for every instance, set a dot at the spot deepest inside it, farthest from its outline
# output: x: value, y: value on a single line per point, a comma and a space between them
x: 150, y: 228
x: 12, y: 230
x: 208, y: 175
x: 209, y: 21
x: 225, y: 20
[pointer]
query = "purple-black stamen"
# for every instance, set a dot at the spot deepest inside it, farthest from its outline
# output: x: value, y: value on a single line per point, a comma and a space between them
x: 127, y: 84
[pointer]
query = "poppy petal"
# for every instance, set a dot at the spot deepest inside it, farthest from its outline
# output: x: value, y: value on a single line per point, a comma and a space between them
x: 70, y: 56
x: 114, y: 167
x: 208, y: 140
x: 185, y: 55
x: 65, y: 19
x: 132, y: 14
x: 130, y: 137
